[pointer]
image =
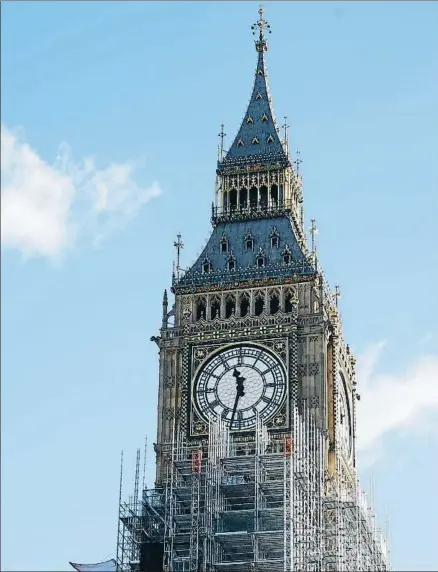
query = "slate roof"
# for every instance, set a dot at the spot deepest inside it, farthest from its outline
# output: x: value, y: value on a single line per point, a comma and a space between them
x: 257, y: 140
x: 235, y: 233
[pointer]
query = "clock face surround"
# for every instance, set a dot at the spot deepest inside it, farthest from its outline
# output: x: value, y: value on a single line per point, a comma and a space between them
x: 239, y: 383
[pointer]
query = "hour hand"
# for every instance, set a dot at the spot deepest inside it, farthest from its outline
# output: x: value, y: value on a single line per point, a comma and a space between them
x: 239, y: 383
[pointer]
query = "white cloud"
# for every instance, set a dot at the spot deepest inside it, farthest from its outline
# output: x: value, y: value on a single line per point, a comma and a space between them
x: 46, y: 209
x: 391, y: 402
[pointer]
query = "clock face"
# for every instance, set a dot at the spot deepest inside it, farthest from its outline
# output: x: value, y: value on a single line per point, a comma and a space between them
x: 239, y: 383
x: 344, y: 418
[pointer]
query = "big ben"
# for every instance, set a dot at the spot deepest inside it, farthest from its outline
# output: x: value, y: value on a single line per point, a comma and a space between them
x: 255, y: 447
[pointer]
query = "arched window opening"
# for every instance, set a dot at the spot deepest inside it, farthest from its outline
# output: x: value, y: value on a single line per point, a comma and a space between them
x: 215, y: 309
x: 259, y: 305
x: 233, y: 199
x: 224, y: 245
x: 288, y: 303
x: 260, y: 261
x: 249, y: 241
x: 253, y: 197
x: 231, y: 265
x: 243, y: 198
x: 244, y: 306
x: 274, y: 304
x: 206, y: 266
x: 275, y: 241
x: 230, y: 307
x: 225, y: 200
x: 200, y: 309
x: 264, y: 197
x: 274, y: 195
x: 286, y: 258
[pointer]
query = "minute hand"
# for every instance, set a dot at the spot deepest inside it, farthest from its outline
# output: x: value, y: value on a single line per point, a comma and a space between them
x: 239, y: 393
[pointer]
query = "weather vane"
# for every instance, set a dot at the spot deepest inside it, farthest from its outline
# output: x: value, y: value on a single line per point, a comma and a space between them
x: 261, y: 25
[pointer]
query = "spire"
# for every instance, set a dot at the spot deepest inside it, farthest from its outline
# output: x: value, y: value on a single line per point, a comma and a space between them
x: 257, y: 140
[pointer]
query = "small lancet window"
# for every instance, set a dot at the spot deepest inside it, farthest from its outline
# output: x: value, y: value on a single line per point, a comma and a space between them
x: 240, y: 143
x: 264, y: 117
x: 249, y: 241
x: 231, y: 262
x: 275, y: 238
x: 255, y: 141
x: 259, y: 96
x: 260, y: 72
x: 287, y: 257
x: 206, y: 266
x: 270, y: 139
x: 250, y: 120
x: 261, y: 259
x: 224, y: 244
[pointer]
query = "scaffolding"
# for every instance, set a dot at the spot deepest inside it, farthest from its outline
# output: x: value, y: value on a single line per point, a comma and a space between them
x: 261, y: 503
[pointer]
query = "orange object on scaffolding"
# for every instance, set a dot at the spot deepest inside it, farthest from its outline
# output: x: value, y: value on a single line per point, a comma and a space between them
x: 288, y: 446
x: 196, y: 461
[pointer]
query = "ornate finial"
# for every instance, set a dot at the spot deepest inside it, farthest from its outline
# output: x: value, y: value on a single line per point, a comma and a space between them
x: 222, y: 135
x: 313, y: 230
x: 297, y: 162
x: 165, y: 300
x: 285, y: 127
x: 178, y: 245
x: 337, y: 295
x: 261, y: 25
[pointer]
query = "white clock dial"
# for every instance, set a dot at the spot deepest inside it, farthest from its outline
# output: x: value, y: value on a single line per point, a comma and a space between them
x: 344, y: 433
x: 263, y: 386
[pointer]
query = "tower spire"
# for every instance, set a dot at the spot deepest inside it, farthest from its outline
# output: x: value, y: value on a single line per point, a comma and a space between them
x: 257, y: 141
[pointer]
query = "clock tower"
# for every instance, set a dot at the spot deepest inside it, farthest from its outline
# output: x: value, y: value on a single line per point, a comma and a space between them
x: 255, y: 448
x: 255, y: 305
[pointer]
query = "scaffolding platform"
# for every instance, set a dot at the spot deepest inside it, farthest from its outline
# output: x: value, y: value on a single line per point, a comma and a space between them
x: 263, y: 505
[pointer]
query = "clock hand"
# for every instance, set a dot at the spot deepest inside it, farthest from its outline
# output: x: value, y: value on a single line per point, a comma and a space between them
x: 240, y: 392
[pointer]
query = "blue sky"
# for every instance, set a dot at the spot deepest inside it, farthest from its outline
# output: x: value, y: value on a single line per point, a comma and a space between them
x: 110, y: 116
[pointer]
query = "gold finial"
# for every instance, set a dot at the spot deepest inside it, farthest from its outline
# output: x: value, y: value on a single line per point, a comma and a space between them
x: 261, y: 25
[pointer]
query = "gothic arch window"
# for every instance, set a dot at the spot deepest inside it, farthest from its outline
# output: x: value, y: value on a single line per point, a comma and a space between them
x: 231, y: 262
x: 215, y: 308
x: 289, y: 300
x: 250, y: 120
x: 243, y: 202
x: 286, y: 254
x: 259, y: 96
x: 264, y: 117
x: 240, y: 143
x: 261, y: 259
x: 224, y: 244
x: 253, y: 197
x: 270, y: 139
x: 206, y: 266
x: 244, y: 304
x: 274, y: 194
x: 259, y: 303
x: 275, y: 238
x: 264, y: 196
x: 230, y: 305
x: 249, y: 241
x: 274, y: 302
x: 255, y: 141
x: 201, y: 307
